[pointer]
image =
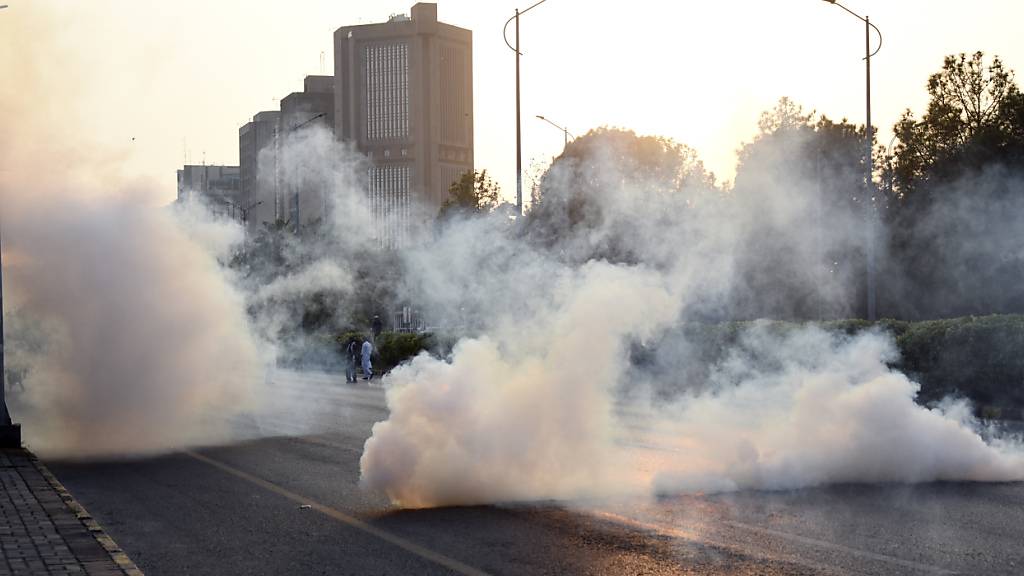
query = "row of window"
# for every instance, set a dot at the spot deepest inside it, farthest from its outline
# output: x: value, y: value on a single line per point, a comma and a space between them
x: 387, y: 91
x: 391, y: 204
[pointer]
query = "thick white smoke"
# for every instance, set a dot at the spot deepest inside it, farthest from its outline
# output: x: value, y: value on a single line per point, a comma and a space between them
x: 146, y: 345
x: 131, y: 336
x: 544, y: 402
x: 524, y: 412
x: 810, y: 408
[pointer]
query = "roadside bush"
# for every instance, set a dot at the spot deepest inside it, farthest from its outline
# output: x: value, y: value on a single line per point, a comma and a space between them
x: 979, y: 358
x: 393, y: 348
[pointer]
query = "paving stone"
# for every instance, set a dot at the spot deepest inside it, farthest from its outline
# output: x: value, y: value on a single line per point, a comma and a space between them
x: 44, y: 531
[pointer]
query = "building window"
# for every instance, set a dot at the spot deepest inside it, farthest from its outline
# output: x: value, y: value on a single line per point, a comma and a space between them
x: 387, y: 91
x: 390, y: 204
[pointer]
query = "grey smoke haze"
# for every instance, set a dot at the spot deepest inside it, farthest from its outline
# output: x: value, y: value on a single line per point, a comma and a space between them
x: 543, y: 402
x: 968, y: 240
x: 147, y: 346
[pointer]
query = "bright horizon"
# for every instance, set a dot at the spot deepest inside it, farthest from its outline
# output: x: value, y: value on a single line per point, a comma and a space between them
x: 181, y: 78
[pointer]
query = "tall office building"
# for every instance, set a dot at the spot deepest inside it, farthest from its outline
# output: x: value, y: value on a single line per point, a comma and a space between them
x: 257, y: 160
x: 404, y: 96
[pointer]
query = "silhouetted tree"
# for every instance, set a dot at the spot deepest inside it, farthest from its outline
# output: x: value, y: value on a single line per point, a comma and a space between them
x: 957, y: 201
x: 975, y: 117
x: 799, y: 193
x: 610, y: 167
x: 473, y: 193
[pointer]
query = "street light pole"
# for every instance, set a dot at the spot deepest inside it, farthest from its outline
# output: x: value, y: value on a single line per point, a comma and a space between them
x: 244, y: 212
x: 296, y: 195
x: 519, y: 130
x: 869, y: 215
x: 565, y: 132
x: 10, y: 433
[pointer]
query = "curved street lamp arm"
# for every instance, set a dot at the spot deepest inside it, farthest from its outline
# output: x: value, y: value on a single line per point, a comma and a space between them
x: 864, y: 20
x: 879, y: 32
x: 561, y: 128
x: 504, y: 34
x: 504, y: 31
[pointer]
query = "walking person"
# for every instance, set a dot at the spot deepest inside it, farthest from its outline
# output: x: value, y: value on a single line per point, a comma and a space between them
x: 367, y: 368
x: 351, y: 360
x: 376, y: 327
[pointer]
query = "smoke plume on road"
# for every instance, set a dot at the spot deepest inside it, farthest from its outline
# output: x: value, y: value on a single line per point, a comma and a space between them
x: 127, y: 332
x: 547, y: 401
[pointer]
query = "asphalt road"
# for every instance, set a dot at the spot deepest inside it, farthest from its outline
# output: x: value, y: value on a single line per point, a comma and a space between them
x: 289, y: 503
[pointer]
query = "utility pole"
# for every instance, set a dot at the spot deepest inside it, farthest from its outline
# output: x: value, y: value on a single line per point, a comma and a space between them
x: 869, y: 211
x: 10, y: 433
x: 869, y: 199
x: 519, y: 131
x: 519, y: 126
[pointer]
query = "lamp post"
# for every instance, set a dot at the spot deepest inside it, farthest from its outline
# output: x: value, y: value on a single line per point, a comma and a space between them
x: 244, y: 212
x: 562, y: 128
x: 296, y: 196
x: 519, y: 131
x: 869, y: 182
x: 10, y: 433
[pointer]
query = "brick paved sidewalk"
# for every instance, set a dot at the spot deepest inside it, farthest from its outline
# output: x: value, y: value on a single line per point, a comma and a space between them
x: 44, y: 531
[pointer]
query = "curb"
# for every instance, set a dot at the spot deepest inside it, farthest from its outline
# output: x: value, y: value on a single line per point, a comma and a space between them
x: 119, y: 556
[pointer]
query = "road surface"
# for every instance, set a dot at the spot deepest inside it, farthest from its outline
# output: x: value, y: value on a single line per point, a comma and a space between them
x: 289, y: 503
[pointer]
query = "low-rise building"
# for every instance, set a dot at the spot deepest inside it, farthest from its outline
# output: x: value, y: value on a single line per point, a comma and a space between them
x: 218, y: 186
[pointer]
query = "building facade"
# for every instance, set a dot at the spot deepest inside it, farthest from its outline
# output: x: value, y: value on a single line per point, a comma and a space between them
x: 257, y: 161
x: 218, y: 186
x: 404, y: 97
x: 303, y: 202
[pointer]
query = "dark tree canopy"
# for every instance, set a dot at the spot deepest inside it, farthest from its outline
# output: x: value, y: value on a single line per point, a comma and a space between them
x: 473, y: 193
x: 597, y: 191
x: 799, y: 191
x: 975, y: 117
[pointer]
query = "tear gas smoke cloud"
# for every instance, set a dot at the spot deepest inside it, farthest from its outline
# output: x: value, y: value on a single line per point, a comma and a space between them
x: 147, y: 346
x: 131, y: 334
x: 543, y: 402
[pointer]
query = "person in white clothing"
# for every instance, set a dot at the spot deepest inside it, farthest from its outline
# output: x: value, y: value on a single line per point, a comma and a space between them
x: 367, y: 368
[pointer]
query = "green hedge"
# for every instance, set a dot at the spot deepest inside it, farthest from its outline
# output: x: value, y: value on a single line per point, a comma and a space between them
x: 977, y: 357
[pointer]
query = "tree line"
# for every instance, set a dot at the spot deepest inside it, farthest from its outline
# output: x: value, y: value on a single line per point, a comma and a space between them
x: 946, y: 197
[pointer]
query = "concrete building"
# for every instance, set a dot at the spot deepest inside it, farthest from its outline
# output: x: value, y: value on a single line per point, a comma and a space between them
x: 257, y: 160
x: 300, y: 203
x: 219, y: 186
x: 404, y: 96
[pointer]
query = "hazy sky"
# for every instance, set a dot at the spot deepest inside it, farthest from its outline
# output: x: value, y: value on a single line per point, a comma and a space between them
x: 179, y: 77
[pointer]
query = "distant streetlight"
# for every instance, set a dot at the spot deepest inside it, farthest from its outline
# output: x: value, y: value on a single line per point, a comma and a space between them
x: 562, y: 128
x: 10, y: 433
x: 519, y: 130
x: 243, y: 211
x: 869, y: 182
